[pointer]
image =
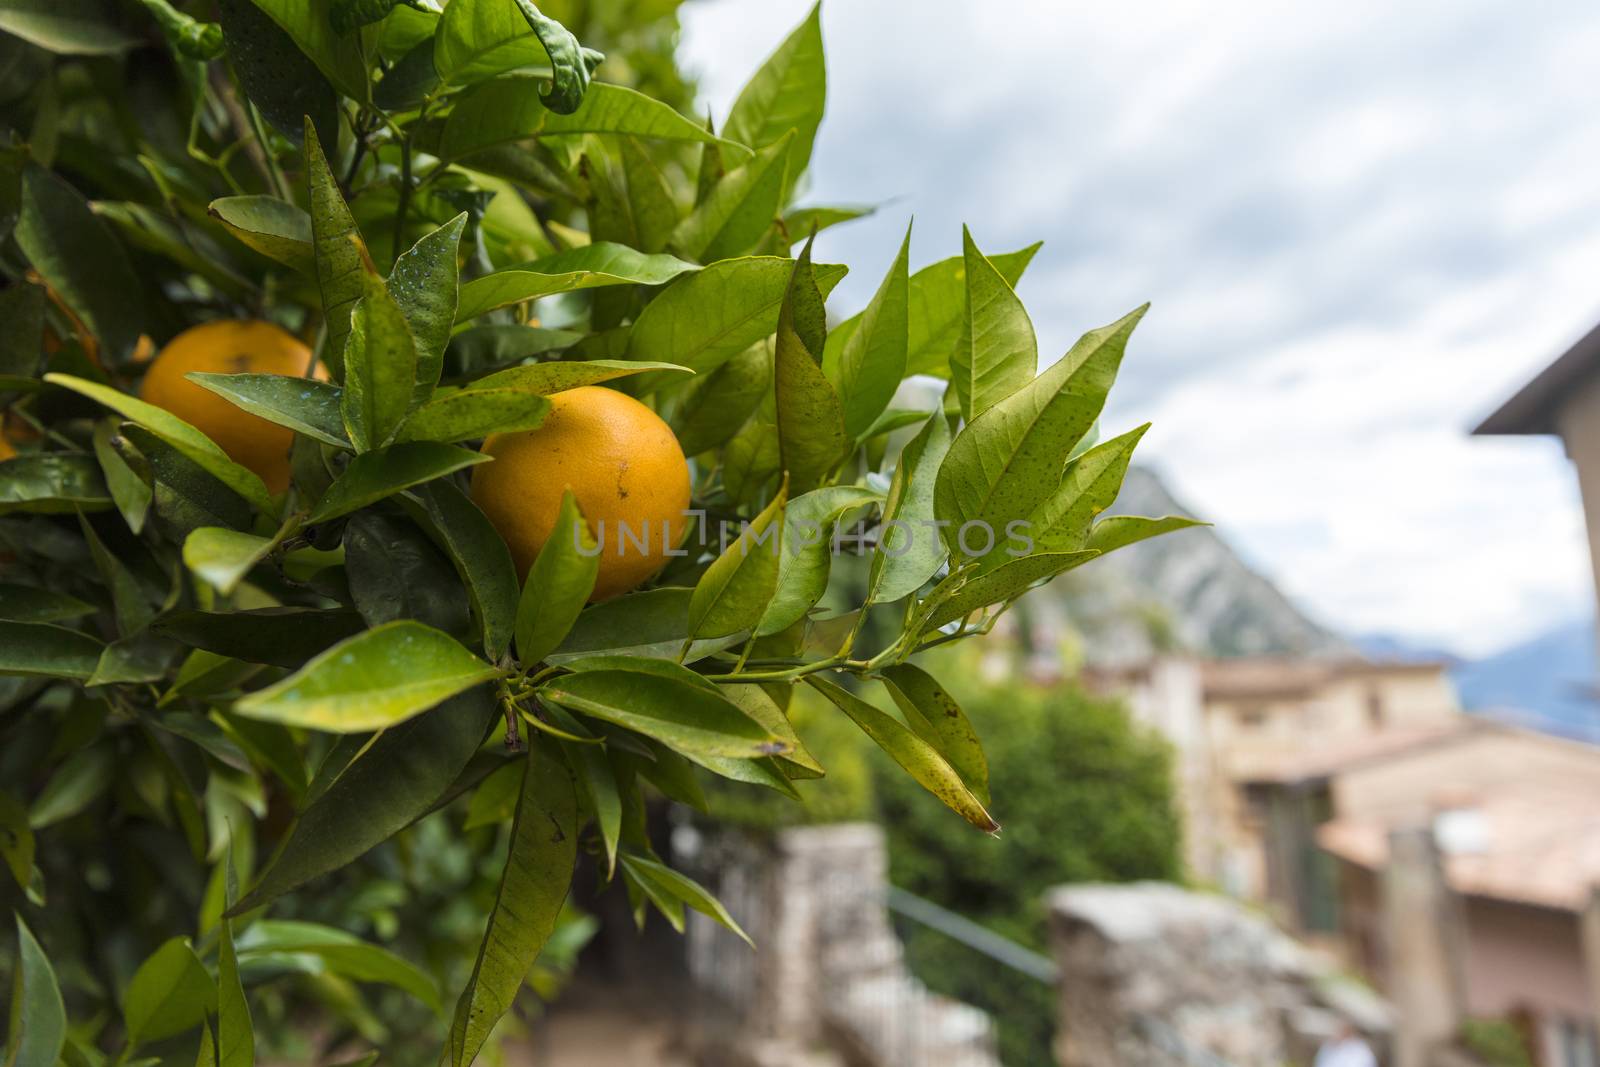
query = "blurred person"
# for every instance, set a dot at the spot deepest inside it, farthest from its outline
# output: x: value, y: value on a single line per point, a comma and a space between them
x: 1346, y: 1048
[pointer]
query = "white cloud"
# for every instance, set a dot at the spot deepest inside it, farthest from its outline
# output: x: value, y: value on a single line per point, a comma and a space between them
x: 1361, y: 226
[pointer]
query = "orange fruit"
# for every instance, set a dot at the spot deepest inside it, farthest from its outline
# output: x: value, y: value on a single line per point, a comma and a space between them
x: 624, y: 468
x: 230, y: 346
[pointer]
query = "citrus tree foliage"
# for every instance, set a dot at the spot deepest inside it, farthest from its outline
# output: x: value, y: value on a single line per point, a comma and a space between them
x: 254, y: 689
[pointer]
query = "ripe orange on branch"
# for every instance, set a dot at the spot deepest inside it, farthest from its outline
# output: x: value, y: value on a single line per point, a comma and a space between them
x: 621, y: 462
x: 230, y: 346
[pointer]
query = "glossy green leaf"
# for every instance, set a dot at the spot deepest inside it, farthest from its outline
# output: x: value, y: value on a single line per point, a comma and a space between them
x: 184, y: 495
x: 27, y: 603
x: 236, y: 1036
x: 372, y: 476
x: 370, y: 681
x: 735, y: 591
x: 408, y: 83
x: 170, y: 992
x: 424, y: 283
x: 910, y: 550
x: 391, y: 784
x: 1089, y: 486
x: 223, y: 557
x: 914, y: 755
x: 682, y: 888
x: 998, y: 586
x: 128, y: 601
x: 52, y: 482
x: 681, y: 715
x: 305, y: 405
x: 380, y: 366
x: 704, y: 319
x: 284, y: 637
x: 872, y: 359
x: 45, y: 651
x: 811, y: 433
x: 936, y: 717
x: 341, y: 953
x: 559, y: 584
x: 757, y: 702
x: 129, y: 488
x: 597, y: 783
x: 1008, y: 461
x: 280, y: 79
x: 547, y: 378
x: 802, y: 222
x: 478, y: 39
x: 77, y: 252
x: 740, y: 210
x: 938, y: 307
x: 194, y: 445
x: 337, y: 251
x: 570, y: 63
x: 633, y: 201
x: 338, y: 56
x: 473, y: 413
x: 38, y: 1016
x: 789, y: 92
x: 651, y: 625
x: 807, y: 555
x: 533, y: 888
x: 70, y: 28
x: 996, y: 351
x: 480, y: 555
x: 276, y: 228
x: 1118, y: 531
x: 585, y: 267
x: 509, y: 109
x: 396, y: 572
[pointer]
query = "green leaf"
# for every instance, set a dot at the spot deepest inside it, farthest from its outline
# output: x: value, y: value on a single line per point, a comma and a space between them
x: 206, y: 1054
x: 495, y: 799
x: 276, y: 228
x: 480, y: 349
x: 872, y: 359
x: 283, y: 637
x: 407, y: 84
x: 42, y: 650
x: 372, y: 476
x: 633, y: 202
x: 223, y: 557
x: 714, y: 406
x: 938, y: 306
x: 281, y: 80
x: 1000, y: 585
x: 740, y: 209
x: 380, y: 366
x: 170, y: 992
x: 585, y: 267
x: 918, y: 758
x: 996, y: 352
x: 807, y: 555
x: 38, y: 1016
x: 652, y: 624
x: 336, y: 245
x: 685, y: 717
x: 681, y: 887
x: 811, y: 433
x: 128, y: 488
x: 935, y: 716
x: 185, y: 496
x: 16, y: 840
x: 479, y: 39
x: 570, y: 62
x: 1090, y: 485
x: 509, y: 109
x: 52, y: 482
x: 424, y: 283
x: 79, y: 255
x: 72, y: 28
x: 341, y: 953
x: 396, y: 572
x: 1008, y: 461
x: 533, y: 888
x: 598, y: 782
x: 183, y: 437
x: 26, y: 603
x: 75, y: 785
x: 391, y: 784
x: 910, y: 550
x: 789, y: 92
x: 236, y: 1037
x: 371, y: 681
x: 802, y: 222
x: 547, y: 378
x: 735, y: 591
x: 559, y: 584
x: 22, y: 330
x: 480, y: 556
x: 188, y: 36
x: 1118, y: 531
x: 338, y: 57
x: 704, y: 319
x: 305, y: 405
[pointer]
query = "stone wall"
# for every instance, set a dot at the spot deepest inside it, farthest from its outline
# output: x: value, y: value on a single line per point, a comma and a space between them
x: 1159, y: 976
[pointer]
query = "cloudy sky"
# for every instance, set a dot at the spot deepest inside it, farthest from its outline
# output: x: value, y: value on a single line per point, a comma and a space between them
x: 1360, y: 224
